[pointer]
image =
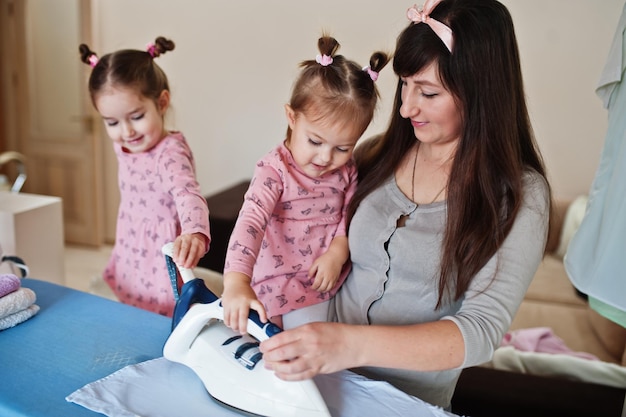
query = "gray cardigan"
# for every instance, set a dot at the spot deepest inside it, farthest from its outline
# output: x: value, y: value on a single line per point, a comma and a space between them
x: 395, y: 272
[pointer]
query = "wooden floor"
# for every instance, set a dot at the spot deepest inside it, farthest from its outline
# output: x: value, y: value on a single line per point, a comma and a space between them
x: 84, y: 267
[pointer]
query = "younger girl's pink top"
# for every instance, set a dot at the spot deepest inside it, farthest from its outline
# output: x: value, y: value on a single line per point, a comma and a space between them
x: 159, y: 200
x: 288, y: 220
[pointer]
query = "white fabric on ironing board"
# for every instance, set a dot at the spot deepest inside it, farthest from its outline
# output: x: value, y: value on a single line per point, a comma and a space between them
x: 161, y: 388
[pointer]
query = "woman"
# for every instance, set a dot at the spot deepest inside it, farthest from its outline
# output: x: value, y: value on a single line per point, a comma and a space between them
x: 450, y: 218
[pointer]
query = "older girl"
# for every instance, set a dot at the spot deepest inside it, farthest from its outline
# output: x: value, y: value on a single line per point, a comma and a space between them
x: 160, y: 196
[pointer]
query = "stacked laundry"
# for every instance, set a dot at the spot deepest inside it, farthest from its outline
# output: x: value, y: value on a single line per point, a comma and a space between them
x: 17, y: 303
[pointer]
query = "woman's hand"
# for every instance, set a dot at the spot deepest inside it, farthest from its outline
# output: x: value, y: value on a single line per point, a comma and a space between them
x: 311, y: 349
x: 320, y: 348
x: 188, y: 249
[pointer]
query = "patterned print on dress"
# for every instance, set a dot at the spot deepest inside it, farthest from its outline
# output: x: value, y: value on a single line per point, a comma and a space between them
x: 237, y: 245
x: 328, y: 209
x: 255, y: 199
x: 281, y: 300
x: 270, y: 182
x: 279, y: 261
x: 253, y: 232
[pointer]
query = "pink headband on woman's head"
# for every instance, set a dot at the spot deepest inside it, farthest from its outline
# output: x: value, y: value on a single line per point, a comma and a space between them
x: 93, y: 60
x: 422, y: 15
x: 324, y: 60
x: 151, y: 49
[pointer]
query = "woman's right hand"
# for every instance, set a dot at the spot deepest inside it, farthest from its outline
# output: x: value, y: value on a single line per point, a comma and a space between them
x: 312, y: 349
x: 237, y: 300
x: 326, y: 347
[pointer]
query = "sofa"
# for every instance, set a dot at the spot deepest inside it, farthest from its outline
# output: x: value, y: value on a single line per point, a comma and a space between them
x: 550, y: 302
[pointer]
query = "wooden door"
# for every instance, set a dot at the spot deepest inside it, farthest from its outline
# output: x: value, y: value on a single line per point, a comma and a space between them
x: 53, y: 122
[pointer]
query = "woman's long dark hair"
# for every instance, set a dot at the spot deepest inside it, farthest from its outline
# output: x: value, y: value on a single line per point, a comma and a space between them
x: 496, y: 147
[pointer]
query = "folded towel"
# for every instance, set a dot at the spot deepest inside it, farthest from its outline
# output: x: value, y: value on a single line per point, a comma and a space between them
x: 540, y: 339
x: 16, y: 301
x: 19, y: 317
x: 8, y: 284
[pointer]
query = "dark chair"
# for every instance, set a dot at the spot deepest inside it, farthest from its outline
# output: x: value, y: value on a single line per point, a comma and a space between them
x: 224, y: 208
x: 486, y: 392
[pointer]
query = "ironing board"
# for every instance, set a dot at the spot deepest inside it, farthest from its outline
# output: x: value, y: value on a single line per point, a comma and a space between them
x: 78, y: 338
x: 75, y: 338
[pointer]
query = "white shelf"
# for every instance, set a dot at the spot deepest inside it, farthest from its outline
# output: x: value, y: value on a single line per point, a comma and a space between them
x: 31, y: 227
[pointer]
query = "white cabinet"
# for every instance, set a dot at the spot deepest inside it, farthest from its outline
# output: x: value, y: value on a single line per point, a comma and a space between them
x: 31, y: 227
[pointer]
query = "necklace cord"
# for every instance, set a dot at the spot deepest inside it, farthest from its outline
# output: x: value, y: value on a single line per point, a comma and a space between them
x: 413, y: 182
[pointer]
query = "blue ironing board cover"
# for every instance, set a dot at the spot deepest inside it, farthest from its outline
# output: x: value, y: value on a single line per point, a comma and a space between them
x: 75, y: 339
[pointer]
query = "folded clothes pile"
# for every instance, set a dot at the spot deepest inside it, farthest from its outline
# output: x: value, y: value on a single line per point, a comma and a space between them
x: 17, y: 303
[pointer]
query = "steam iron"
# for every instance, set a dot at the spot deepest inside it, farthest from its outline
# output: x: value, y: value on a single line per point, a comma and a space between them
x: 229, y: 364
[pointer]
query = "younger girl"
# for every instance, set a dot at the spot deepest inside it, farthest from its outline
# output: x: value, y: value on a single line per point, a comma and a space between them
x: 288, y: 252
x: 160, y: 199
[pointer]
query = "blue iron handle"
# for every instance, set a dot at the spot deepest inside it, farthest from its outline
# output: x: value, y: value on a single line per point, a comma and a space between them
x: 269, y: 328
x: 194, y: 291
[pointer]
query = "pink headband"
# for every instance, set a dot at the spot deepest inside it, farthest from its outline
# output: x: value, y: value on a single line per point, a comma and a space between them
x: 93, y: 60
x: 422, y: 15
x: 373, y: 74
x: 324, y: 60
x: 151, y: 49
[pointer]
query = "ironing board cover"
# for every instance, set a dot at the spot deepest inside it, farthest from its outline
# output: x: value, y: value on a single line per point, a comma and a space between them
x: 75, y: 338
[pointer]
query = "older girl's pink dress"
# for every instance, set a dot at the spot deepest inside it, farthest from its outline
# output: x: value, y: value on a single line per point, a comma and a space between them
x: 159, y: 200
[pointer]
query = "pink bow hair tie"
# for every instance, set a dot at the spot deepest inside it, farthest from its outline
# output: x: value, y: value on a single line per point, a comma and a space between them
x: 324, y: 60
x: 422, y: 15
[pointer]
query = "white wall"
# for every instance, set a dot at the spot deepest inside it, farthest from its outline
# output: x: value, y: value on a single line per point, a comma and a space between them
x: 235, y: 61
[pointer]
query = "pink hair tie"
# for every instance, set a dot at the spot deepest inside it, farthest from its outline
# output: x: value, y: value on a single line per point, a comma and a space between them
x: 422, y: 15
x: 93, y: 60
x: 373, y: 74
x: 151, y: 49
x: 324, y: 60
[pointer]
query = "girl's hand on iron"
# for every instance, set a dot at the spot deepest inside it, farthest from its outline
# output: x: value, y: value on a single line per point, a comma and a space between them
x: 188, y: 249
x: 311, y: 349
x: 237, y: 300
